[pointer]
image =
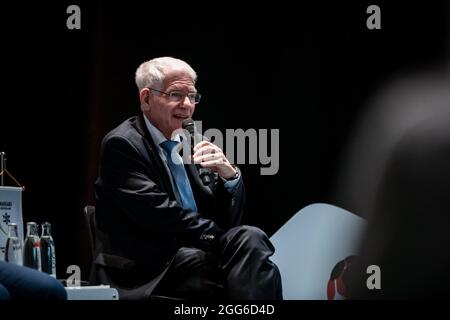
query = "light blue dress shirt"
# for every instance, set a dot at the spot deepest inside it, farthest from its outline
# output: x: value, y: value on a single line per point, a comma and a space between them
x: 158, y: 138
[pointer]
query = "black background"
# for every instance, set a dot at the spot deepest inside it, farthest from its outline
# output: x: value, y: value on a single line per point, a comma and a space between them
x: 307, y: 70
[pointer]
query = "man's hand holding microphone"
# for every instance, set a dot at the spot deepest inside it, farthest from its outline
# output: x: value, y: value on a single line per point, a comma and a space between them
x: 210, y: 156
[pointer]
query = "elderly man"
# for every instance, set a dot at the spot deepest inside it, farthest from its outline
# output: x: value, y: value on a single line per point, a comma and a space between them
x: 160, y: 229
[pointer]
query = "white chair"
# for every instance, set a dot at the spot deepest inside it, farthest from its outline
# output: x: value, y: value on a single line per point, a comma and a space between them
x: 310, y: 244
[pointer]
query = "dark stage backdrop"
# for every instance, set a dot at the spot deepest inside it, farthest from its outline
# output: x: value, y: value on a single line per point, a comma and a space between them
x: 307, y: 70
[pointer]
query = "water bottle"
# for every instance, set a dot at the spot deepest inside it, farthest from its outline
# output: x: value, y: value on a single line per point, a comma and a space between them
x: 48, y: 258
x: 13, y: 253
x: 32, y: 248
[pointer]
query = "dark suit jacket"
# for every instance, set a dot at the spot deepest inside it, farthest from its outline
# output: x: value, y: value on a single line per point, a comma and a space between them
x: 139, y: 224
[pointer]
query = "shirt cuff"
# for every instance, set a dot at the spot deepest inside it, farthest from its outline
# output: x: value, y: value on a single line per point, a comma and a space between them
x: 231, y: 185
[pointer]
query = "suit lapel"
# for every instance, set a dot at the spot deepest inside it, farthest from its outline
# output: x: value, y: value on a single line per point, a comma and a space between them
x: 191, y: 169
x: 154, y: 156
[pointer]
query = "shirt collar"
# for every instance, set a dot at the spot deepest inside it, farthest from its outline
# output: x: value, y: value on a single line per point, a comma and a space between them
x: 157, y: 135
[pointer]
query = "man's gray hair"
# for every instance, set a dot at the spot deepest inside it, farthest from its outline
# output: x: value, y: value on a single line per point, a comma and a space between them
x: 153, y: 72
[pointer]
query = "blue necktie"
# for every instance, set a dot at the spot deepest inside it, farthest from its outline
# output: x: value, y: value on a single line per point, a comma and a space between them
x: 179, y: 175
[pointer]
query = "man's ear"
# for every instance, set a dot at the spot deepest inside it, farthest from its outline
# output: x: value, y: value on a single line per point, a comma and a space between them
x: 144, y: 97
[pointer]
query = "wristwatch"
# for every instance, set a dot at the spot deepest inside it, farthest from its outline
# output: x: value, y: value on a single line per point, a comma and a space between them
x: 235, y: 176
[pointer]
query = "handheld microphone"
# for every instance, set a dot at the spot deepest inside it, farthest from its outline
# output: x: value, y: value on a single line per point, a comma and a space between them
x: 189, y: 125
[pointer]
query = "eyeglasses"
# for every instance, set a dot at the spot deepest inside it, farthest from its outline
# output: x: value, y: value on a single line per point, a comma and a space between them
x: 177, y: 96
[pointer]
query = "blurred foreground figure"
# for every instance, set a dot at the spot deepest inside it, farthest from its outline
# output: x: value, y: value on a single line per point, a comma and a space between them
x: 397, y: 175
x: 23, y: 283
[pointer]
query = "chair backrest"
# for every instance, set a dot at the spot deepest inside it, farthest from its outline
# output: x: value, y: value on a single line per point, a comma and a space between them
x: 89, y: 215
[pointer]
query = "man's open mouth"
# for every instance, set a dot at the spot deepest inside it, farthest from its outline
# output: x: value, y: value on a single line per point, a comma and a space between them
x: 181, y: 117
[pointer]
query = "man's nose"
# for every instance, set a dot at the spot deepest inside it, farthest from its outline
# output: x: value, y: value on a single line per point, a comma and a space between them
x: 186, y: 102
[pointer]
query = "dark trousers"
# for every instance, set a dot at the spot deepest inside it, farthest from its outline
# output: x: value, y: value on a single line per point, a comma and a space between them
x: 238, y: 267
x: 17, y: 282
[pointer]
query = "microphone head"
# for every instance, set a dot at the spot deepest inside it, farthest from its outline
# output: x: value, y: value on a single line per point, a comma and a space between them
x: 189, y: 125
